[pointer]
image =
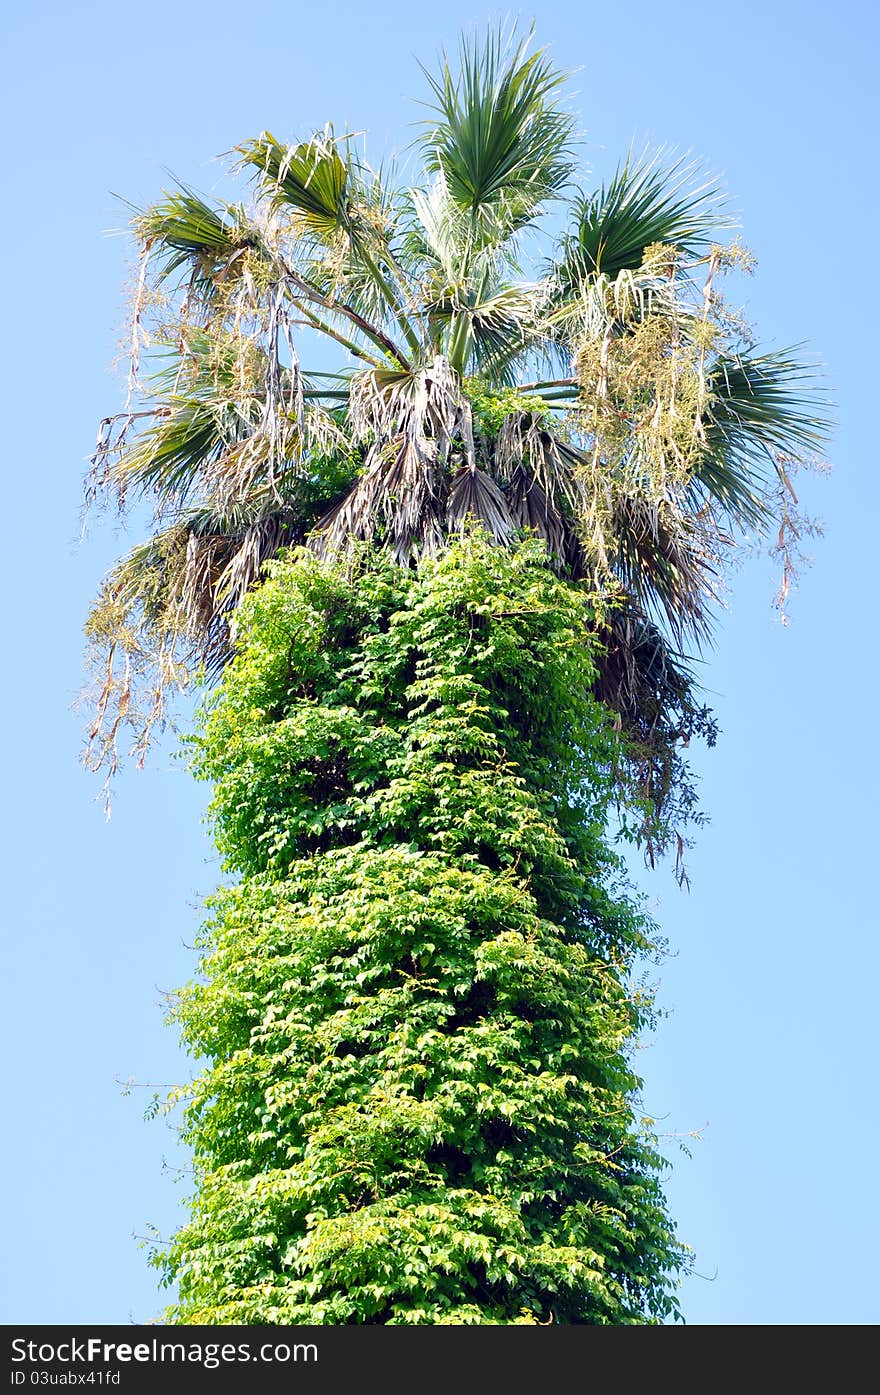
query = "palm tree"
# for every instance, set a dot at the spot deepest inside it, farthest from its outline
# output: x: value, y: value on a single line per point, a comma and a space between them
x: 609, y: 401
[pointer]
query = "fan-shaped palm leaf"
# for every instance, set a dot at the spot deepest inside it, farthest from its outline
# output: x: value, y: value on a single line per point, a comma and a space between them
x: 499, y: 140
x: 311, y: 179
x: 184, y: 232
x: 647, y: 201
x: 762, y: 404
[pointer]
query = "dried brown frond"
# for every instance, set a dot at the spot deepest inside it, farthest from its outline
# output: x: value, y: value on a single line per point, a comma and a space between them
x: 526, y: 442
x: 414, y: 424
x: 475, y: 497
x: 533, y: 512
x: 397, y: 499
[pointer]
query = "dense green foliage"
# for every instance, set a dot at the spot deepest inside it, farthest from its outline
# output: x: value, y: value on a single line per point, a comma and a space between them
x: 416, y: 1008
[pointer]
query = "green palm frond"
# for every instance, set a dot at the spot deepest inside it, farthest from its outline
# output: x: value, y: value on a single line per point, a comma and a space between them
x: 764, y: 408
x: 500, y: 141
x: 312, y: 179
x: 182, y: 231
x: 202, y: 411
x: 765, y: 403
x: 184, y: 442
x: 486, y: 328
x: 647, y: 201
x: 348, y: 263
x: 502, y: 326
x: 138, y: 584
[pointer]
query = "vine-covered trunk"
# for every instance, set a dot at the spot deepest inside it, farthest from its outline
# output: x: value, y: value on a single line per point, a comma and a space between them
x: 415, y: 1011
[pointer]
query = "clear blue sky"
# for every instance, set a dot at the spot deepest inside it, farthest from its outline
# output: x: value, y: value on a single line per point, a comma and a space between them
x: 771, y: 1040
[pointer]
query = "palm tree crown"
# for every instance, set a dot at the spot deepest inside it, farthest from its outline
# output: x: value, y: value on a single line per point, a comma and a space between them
x: 612, y: 402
